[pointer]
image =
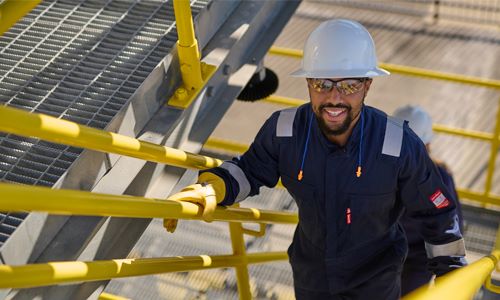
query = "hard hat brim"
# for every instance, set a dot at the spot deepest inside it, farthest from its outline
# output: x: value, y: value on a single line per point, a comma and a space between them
x: 340, y: 73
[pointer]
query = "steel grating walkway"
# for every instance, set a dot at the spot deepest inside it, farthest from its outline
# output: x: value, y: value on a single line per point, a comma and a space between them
x: 80, y: 61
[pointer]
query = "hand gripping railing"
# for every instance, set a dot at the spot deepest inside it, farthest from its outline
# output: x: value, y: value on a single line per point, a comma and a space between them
x: 461, y: 284
x: 486, y: 197
x: 22, y: 198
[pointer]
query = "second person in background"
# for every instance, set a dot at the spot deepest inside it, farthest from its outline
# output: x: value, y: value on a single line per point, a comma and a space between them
x: 415, y: 271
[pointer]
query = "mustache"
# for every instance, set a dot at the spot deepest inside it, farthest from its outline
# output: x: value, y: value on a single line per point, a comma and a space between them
x: 340, y: 105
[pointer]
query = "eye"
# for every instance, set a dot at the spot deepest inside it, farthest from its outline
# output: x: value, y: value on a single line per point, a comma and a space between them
x: 322, y: 85
x: 349, y: 87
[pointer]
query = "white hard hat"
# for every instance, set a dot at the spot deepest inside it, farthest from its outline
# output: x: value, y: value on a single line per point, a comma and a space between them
x: 418, y: 119
x: 339, y: 49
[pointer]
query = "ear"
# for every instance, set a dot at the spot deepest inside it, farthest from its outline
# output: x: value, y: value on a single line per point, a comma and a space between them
x: 368, y: 83
x: 367, y: 87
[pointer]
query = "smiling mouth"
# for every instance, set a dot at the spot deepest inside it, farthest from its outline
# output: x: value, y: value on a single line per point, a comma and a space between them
x: 334, y: 113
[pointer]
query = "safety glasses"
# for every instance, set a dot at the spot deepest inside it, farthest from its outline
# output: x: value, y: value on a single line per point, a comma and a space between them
x: 345, y: 87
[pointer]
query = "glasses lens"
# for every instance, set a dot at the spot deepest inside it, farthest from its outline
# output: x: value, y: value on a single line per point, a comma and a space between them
x: 349, y: 86
x: 321, y: 85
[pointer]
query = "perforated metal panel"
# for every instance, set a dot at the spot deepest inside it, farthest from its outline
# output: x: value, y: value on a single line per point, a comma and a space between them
x: 80, y: 61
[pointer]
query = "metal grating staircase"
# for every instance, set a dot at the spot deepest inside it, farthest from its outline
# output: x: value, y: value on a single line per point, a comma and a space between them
x: 80, y: 61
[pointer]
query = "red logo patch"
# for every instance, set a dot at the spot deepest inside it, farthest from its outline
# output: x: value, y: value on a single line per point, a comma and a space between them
x: 439, y: 200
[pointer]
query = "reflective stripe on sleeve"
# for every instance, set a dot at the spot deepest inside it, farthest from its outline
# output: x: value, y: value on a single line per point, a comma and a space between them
x: 284, y: 127
x: 240, y: 177
x: 393, y: 138
x: 456, y: 248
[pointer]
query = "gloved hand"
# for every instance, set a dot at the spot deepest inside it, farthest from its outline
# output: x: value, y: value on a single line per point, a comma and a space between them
x: 440, y: 265
x: 209, y: 190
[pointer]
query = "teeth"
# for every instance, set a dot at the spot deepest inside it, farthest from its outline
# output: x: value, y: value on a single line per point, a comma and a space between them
x: 334, y: 113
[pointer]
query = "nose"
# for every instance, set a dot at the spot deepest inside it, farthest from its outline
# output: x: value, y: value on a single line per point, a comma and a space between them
x: 334, y: 95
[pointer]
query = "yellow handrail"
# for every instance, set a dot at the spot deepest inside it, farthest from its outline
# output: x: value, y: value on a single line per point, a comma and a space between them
x: 226, y: 145
x: 23, y: 123
x: 479, y: 197
x: 67, y: 202
x: 284, y: 100
x: 485, y: 136
x: 412, y: 71
x: 460, y: 284
x: 11, y: 11
x: 107, y: 296
x: 52, y: 273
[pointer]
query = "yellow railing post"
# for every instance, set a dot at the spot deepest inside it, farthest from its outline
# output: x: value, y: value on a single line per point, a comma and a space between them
x: 493, y: 153
x: 194, y: 73
x: 238, y: 244
x: 187, y: 45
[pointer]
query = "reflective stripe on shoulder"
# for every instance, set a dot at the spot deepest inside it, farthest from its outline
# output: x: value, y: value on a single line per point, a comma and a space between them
x: 393, y: 138
x: 284, y: 127
x: 456, y: 248
x: 240, y: 177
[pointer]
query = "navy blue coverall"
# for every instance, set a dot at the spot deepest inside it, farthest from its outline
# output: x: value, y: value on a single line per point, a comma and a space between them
x: 348, y: 242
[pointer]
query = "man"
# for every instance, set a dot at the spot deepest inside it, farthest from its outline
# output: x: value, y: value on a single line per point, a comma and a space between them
x: 415, y: 273
x: 351, y: 169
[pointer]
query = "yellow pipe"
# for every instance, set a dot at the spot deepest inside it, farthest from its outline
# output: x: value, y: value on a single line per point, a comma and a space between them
x: 11, y: 11
x: 460, y: 284
x: 485, y: 136
x: 284, y: 100
x: 286, y: 52
x: 63, y: 272
x: 490, y: 83
x: 225, y: 145
x: 45, y: 127
x: 479, y: 197
x: 67, y: 202
x: 107, y: 296
x: 493, y: 153
x: 412, y: 71
x: 187, y: 46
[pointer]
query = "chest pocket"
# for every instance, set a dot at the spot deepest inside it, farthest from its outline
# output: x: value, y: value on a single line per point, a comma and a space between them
x: 305, y: 197
x: 370, y: 218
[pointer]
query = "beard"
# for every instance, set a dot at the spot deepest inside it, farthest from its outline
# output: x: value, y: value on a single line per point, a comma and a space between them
x: 339, y: 129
